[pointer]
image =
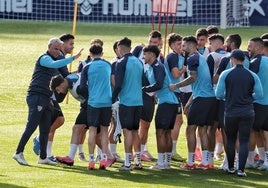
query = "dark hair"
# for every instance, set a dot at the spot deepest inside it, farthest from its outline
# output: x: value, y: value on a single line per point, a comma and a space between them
x: 96, y: 41
x: 115, y: 45
x: 201, y: 32
x: 173, y: 37
x: 265, y: 43
x: 66, y: 37
x: 264, y: 36
x: 153, y: 49
x: 257, y: 40
x: 216, y: 37
x: 56, y: 81
x: 190, y: 39
x: 155, y: 34
x: 95, y: 49
x: 212, y: 29
x: 125, y: 42
x: 236, y: 39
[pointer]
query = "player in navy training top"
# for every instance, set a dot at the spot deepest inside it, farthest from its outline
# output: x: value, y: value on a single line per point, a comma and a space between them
x: 128, y: 90
x: 239, y: 87
x: 259, y: 65
x: 38, y: 100
x: 202, y: 101
x: 167, y: 105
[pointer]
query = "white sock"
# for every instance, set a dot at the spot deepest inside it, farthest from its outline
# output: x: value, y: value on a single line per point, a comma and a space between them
x: 128, y: 159
x: 218, y: 148
x: 237, y: 161
x: 161, y: 159
x: 205, y: 157
x: 73, y: 149
x: 138, y: 157
x: 174, y: 145
x: 142, y: 148
x: 261, y: 153
x: 168, y: 157
x: 80, y: 148
x: 112, y: 148
x: 104, y: 156
x: 49, y: 148
x: 251, y: 155
x: 190, y: 158
x: 91, y: 158
x: 211, y: 157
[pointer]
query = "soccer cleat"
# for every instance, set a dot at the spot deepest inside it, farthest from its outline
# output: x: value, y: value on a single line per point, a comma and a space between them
x: 145, y: 158
x: 218, y: 157
x: 149, y: 155
x: 125, y: 168
x: 248, y: 165
x: 65, y: 160
x: 210, y: 166
x: 157, y: 167
x: 46, y: 161
x: 109, y: 162
x: 202, y: 166
x: 52, y: 158
x: 231, y: 171
x: 224, y: 166
x: 263, y: 167
x: 102, y: 165
x: 257, y: 164
x: 177, y: 157
x: 189, y: 167
x: 91, y: 166
x: 167, y: 166
x: 198, y: 156
x: 81, y: 156
x: 240, y: 173
x: 36, y: 146
x: 118, y: 158
x: 138, y: 166
x: 20, y: 158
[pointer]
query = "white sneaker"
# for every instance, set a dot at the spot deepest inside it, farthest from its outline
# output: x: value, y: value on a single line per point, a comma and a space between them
x: 20, y: 158
x: 46, y: 161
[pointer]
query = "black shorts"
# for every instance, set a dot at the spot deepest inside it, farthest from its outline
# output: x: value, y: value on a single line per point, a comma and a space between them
x: 202, y: 111
x: 179, y: 109
x: 261, y: 117
x: 147, y: 111
x: 129, y: 116
x: 165, y: 116
x: 82, y: 117
x: 184, y: 97
x: 99, y: 116
x: 56, y: 111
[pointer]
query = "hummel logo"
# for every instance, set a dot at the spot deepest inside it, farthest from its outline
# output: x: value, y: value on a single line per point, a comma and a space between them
x: 254, y: 5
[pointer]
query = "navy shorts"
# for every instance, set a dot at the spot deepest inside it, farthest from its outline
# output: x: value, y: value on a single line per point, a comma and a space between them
x: 99, y: 116
x: 82, y: 117
x: 202, y: 111
x: 56, y: 111
x: 129, y: 116
x: 261, y: 117
x: 147, y: 111
x: 165, y: 116
x: 184, y: 97
x: 179, y: 109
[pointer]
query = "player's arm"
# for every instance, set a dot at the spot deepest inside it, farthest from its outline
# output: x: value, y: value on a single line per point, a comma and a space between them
x: 119, y: 78
x: 82, y: 89
x: 187, y: 81
x: 159, y: 76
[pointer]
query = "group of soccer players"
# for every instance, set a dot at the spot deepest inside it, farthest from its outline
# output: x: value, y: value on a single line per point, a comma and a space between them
x: 183, y: 81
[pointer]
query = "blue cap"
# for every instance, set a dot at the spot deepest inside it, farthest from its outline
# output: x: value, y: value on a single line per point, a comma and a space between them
x: 238, y: 54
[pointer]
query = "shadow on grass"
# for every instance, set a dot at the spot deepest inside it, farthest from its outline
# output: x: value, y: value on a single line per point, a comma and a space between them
x: 173, y: 177
x: 7, y: 185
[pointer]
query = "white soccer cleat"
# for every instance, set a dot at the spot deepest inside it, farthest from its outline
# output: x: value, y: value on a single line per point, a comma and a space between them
x: 20, y: 158
x: 46, y: 161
